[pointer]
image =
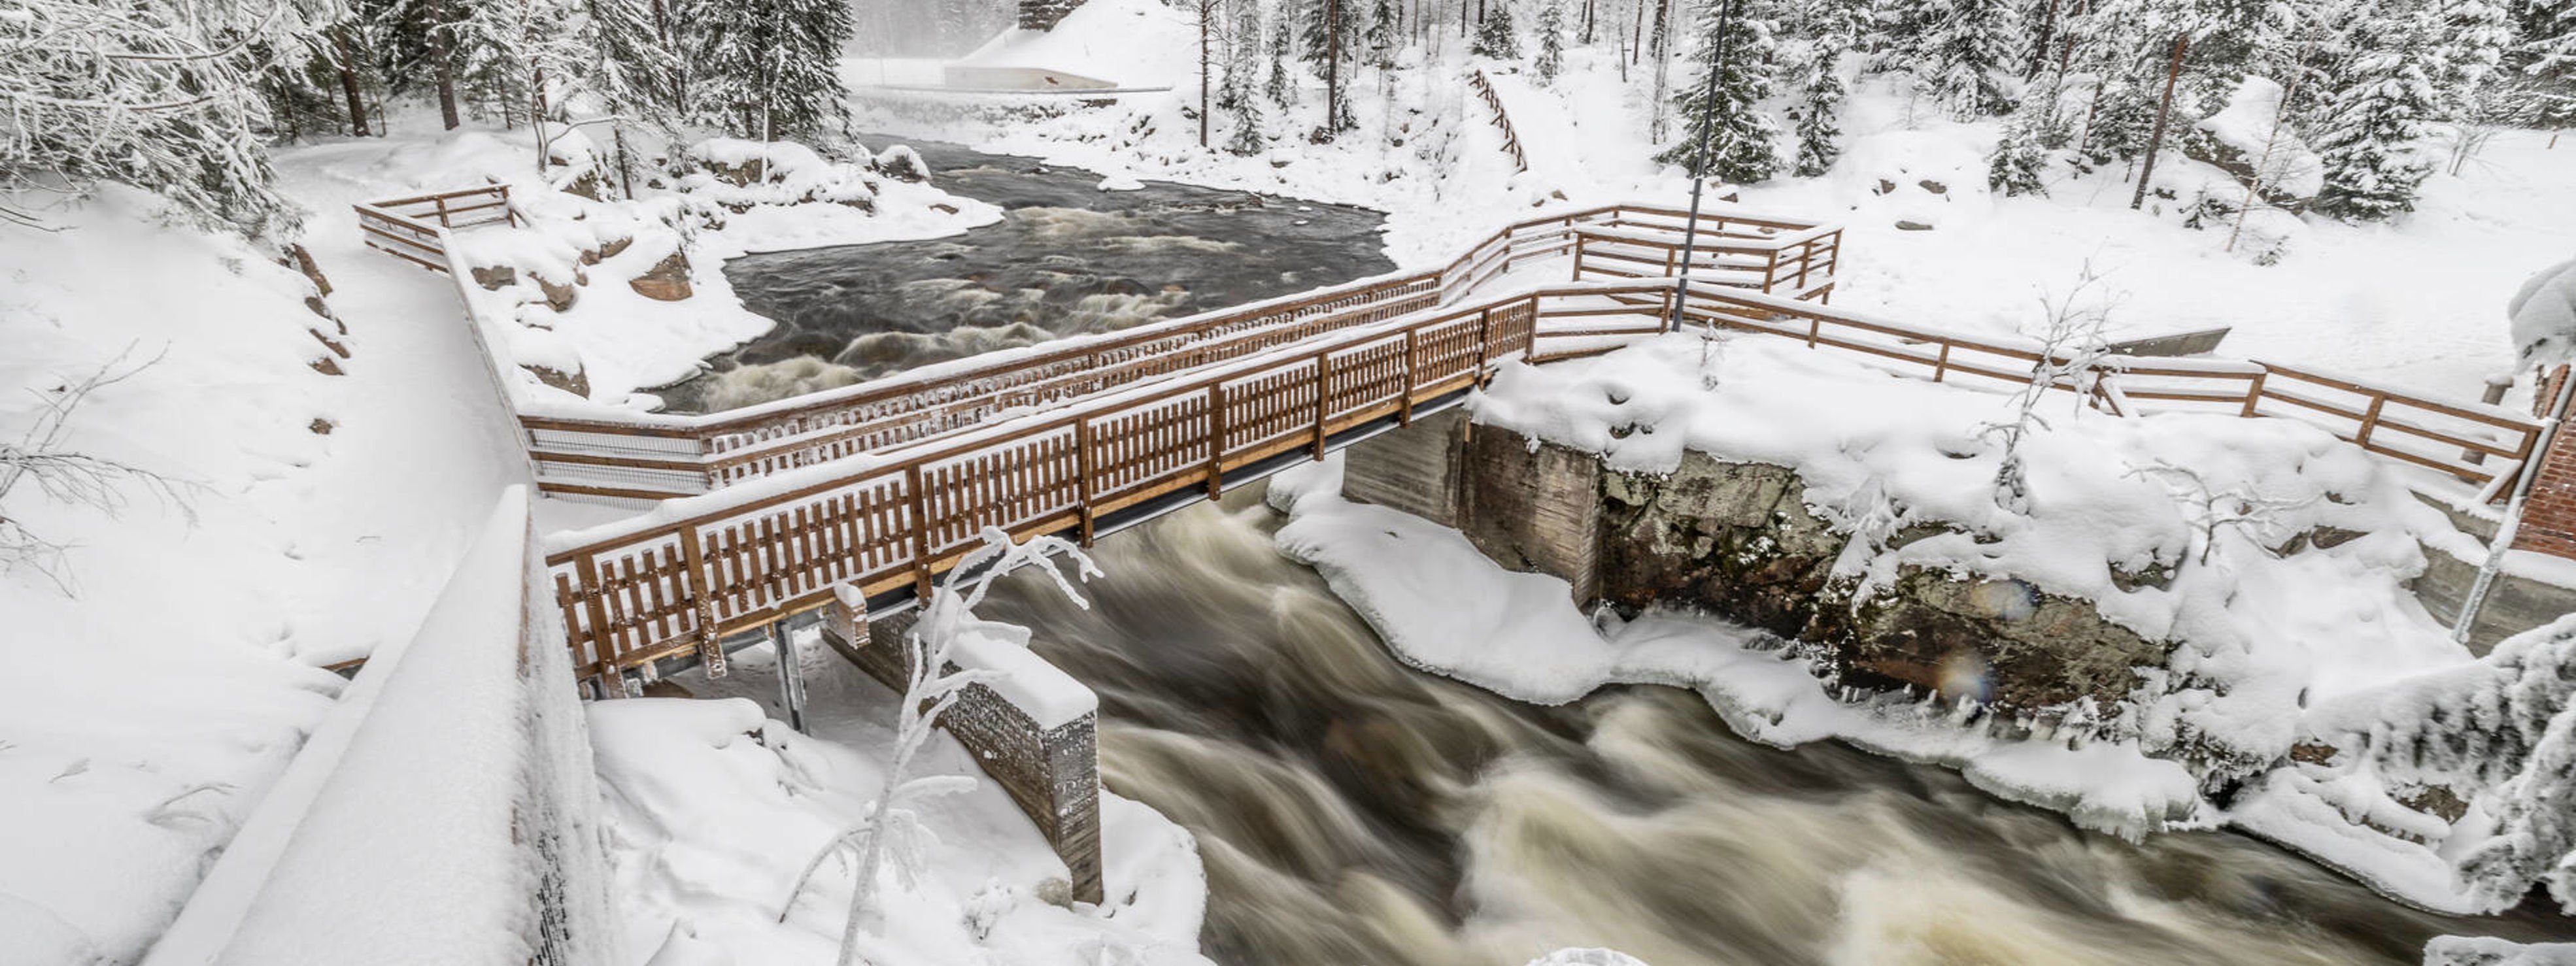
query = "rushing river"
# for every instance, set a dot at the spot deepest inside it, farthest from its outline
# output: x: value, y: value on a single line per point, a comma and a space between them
x: 1067, y: 258
x: 1352, y: 811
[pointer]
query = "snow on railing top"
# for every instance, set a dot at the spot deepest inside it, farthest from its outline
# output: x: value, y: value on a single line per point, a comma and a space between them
x: 443, y: 814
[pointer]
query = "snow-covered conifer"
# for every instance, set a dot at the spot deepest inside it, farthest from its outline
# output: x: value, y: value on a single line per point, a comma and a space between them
x: 1382, y: 41
x: 765, y: 68
x: 1281, y: 88
x: 1495, y: 36
x: 1963, y: 52
x: 2381, y: 98
x: 1822, y: 30
x: 1551, y: 41
x: 1738, y: 134
x: 158, y: 94
x: 2021, y: 158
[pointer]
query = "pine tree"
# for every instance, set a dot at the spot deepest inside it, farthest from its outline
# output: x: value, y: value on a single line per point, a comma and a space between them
x: 2382, y: 98
x: 1739, y: 136
x: 2470, y: 38
x: 765, y: 68
x: 1551, y: 42
x: 1495, y: 37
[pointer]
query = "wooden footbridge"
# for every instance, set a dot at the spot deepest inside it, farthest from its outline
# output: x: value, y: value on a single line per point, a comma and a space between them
x: 748, y: 517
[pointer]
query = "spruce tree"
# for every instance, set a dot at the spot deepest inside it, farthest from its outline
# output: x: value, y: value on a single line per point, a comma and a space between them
x: 1381, y: 40
x: 1962, y: 52
x: 2382, y: 98
x: 1282, y: 89
x: 2469, y: 42
x: 1823, y: 29
x: 1551, y: 42
x: 1495, y: 37
x: 2020, y: 162
x: 1738, y: 134
x: 2542, y: 63
x: 1236, y: 96
x: 765, y: 68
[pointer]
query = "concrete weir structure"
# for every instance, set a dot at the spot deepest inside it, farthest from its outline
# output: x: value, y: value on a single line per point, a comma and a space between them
x: 1051, y: 769
x: 1737, y: 540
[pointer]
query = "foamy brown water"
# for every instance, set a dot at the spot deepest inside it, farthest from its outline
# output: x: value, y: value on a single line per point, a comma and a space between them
x: 1353, y: 811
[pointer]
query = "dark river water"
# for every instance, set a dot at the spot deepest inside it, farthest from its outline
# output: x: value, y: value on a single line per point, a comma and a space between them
x: 1353, y: 811
x: 1067, y: 258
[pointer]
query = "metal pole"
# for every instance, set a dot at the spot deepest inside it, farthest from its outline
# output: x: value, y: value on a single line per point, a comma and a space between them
x: 2512, y: 525
x: 791, y: 672
x: 1699, y: 160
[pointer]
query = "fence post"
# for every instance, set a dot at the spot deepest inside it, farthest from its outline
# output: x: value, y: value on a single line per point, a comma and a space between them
x: 1082, y: 472
x: 2369, y: 420
x: 1323, y: 399
x: 1404, y: 417
x: 1941, y: 365
x: 2253, y: 393
x: 921, y: 585
x: 586, y: 568
x: 1216, y: 440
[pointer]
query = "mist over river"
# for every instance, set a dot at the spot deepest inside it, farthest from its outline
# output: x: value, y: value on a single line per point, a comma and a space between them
x: 1353, y: 811
x: 1067, y: 258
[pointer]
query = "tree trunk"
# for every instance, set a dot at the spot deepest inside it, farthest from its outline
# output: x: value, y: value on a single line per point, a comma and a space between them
x: 2040, y: 38
x: 445, y: 69
x: 1207, y: 9
x: 2164, y: 114
x: 1333, y: 66
x: 2066, y: 48
x: 349, y: 81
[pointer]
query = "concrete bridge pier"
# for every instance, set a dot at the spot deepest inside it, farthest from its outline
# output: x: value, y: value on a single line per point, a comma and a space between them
x: 1051, y: 773
x: 1530, y: 509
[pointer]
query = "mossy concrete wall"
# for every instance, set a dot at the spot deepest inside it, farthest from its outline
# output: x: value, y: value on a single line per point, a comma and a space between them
x: 1738, y: 540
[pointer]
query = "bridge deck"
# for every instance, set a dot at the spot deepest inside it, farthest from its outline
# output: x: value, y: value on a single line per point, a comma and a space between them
x: 753, y: 516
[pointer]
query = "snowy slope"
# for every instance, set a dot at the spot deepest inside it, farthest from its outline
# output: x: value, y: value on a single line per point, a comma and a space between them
x: 155, y: 700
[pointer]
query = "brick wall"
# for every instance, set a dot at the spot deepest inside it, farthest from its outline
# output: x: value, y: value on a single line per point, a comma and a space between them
x: 1052, y: 775
x: 2549, y: 516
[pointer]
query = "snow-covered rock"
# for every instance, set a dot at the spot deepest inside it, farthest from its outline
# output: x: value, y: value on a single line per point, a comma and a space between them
x: 2544, y: 317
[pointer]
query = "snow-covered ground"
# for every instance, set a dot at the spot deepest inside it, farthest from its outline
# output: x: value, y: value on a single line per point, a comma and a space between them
x: 2417, y: 303
x: 714, y: 811
x: 160, y: 691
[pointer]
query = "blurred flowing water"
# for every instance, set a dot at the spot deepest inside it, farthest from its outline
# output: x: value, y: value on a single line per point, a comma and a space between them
x: 1353, y: 811
x: 1067, y: 258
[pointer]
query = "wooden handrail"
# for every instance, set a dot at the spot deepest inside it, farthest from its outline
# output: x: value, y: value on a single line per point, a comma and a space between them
x: 1502, y: 119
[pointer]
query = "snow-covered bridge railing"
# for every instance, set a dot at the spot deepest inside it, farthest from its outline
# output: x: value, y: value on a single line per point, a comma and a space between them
x: 2457, y: 437
x: 413, y: 229
x: 682, y: 577
x: 443, y: 813
x: 1502, y: 119
x: 658, y: 456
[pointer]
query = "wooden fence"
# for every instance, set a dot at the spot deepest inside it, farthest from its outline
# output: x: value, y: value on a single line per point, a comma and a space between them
x: 2456, y: 437
x: 705, y: 567
x: 1502, y: 119
x: 652, y: 457
x: 413, y: 229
